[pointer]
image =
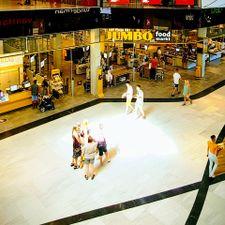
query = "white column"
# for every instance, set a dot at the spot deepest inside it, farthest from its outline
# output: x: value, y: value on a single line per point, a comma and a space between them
x: 95, y: 58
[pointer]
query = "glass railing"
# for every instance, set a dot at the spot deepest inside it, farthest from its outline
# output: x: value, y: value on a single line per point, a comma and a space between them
x: 49, y: 4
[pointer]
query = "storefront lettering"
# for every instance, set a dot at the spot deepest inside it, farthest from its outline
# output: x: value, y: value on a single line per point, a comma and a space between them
x: 10, y: 61
x: 74, y: 11
x: 15, y: 21
x: 129, y: 36
x: 189, y: 17
x: 162, y: 35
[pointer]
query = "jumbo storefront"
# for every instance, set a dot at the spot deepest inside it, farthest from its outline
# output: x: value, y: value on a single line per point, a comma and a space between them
x: 187, y: 49
x: 131, y: 48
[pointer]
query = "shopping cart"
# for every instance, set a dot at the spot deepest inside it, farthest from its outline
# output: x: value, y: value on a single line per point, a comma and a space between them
x: 159, y: 73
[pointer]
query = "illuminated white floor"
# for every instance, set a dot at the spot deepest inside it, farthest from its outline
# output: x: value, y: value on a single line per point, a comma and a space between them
x: 164, y: 151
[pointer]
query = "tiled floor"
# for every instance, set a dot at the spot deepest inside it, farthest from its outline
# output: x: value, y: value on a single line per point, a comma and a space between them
x: 214, y: 206
x: 166, y: 212
x: 165, y: 151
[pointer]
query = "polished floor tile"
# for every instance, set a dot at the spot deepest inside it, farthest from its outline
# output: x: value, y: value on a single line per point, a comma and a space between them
x: 165, y: 151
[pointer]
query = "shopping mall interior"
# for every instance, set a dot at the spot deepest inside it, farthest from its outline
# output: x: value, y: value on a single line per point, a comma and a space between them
x: 86, y: 51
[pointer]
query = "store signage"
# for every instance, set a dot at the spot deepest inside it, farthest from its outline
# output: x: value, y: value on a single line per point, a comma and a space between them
x: 161, y: 35
x: 119, y: 2
x: 11, y: 61
x: 184, y: 2
x: 129, y: 36
x: 151, y: 2
x: 189, y: 17
x: 15, y: 21
x: 72, y: 11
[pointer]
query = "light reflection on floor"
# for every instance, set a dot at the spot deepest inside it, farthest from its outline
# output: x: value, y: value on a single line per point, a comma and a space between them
x: 134, y: 137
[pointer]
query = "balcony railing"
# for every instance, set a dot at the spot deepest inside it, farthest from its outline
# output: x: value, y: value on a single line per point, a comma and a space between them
x: 45, y: 4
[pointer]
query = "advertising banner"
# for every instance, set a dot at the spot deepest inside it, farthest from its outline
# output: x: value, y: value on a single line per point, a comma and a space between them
x: 213, y: 3
x: 88, y: 3
x: 119, y: 2
x: 184, y: 2
x: 151, y: 2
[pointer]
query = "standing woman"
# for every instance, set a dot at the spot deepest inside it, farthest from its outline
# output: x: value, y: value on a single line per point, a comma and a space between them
x: 77, y: 141
x: 89, y: 152
x: 186, y: 92
x: 128, y: 95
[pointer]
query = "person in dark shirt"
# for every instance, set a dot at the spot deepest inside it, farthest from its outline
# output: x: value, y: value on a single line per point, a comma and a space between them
x: 34, y: 94
x: 45, y: 86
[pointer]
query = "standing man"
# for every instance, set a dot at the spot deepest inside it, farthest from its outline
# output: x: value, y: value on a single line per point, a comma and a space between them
x: 152, y: 66
x: 212, y: 152
x: 128, y: 95
x: 176, y: 80
x: 34, y: 94
x: 139, y: 102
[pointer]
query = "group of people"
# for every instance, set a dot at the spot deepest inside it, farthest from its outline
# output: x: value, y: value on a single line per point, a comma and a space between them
x: 186, y: 87
x: 86, y: 146
x: 139, y: 100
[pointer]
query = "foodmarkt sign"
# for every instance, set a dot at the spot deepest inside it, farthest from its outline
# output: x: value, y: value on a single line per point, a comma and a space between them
x: 128, y: 36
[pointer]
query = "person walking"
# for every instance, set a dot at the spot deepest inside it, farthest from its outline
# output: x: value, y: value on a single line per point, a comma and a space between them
x: 102, y: 146
x: 212, y: 152
x: 89, y: 152
x: 176, y: 80
x: 34, y: 94
x: 186, y: 92
x: 128, y: 95
x: 139, y: 102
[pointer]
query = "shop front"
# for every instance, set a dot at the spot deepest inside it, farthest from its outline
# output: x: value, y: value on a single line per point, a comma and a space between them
x: 131, y: 48
x: 13, y: 94
x: 128, y: 49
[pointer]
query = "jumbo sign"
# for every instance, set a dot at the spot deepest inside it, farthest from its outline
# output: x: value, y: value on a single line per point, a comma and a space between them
x: 128, y: 36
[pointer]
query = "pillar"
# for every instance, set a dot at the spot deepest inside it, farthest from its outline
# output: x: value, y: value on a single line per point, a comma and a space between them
x: 95, y: 59
x: 57, y: 55
x: 202, y: 49
x: 1, y: 47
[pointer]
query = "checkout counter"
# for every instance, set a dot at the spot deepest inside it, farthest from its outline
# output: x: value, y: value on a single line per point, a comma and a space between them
x: 14, y: 99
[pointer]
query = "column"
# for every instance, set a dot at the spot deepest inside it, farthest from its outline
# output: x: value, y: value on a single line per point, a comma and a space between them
x: 202, y: 49
x: 95, y: 59
x: 57, y: 55
x: 1, y: 47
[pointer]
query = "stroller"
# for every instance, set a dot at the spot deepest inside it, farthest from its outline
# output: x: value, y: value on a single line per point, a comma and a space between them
x: 46, y: 103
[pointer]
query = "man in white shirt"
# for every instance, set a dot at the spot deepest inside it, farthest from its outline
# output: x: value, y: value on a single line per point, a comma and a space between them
x: 128, y: 95
x: 176, y: 80
x: 109, y: 78
x: 139, y: 102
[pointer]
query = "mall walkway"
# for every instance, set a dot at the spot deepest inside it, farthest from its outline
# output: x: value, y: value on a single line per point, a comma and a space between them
x: 156, y: 168
x: 154, y: 91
